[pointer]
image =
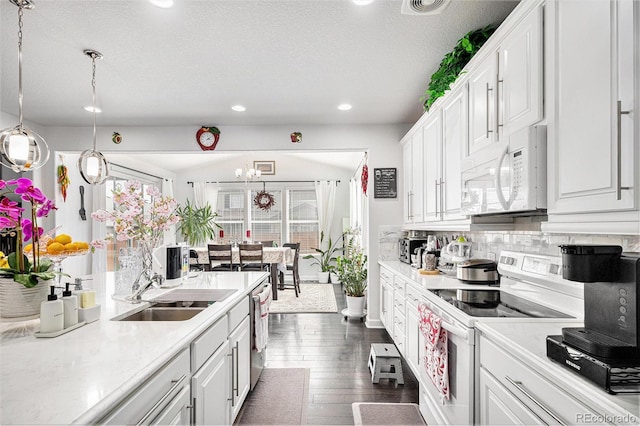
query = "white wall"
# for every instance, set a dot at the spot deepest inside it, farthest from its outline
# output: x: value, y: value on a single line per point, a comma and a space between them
x: 380, y: 141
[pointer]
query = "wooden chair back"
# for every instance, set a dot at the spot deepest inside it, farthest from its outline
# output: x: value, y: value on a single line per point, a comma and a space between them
x: 220, y: 254
x: 251, y: 254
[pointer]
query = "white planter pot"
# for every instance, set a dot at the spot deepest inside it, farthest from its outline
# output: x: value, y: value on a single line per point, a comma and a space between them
x: 334, y: 278
x: 18, y: 302
x: 355, y: 306
x: 323, y: 277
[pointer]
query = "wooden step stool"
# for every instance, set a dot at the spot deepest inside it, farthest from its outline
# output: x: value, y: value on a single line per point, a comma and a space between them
x: 384, y: 363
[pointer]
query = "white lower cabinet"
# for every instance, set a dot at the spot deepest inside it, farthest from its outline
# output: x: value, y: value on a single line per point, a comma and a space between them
x: 513, y: 393
x: 240, y: 350
x: 159, y: 399
x: 178, y: 412
x: 210, y: 388
x: 412, y: 332
x: 221, y: 359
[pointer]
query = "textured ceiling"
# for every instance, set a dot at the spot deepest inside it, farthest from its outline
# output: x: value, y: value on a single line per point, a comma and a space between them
x: 287, y: 61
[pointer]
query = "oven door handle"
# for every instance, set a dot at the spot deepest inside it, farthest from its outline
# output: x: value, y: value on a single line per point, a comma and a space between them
x: 458, y: 331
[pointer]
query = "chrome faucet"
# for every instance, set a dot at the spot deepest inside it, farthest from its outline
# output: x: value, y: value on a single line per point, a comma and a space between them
x: 152, y: 280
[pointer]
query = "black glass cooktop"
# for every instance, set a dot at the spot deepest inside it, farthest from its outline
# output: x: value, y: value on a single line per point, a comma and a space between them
x: 495, y: 303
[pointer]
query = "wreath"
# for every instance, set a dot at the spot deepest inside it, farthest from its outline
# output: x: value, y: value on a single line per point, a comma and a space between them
x: 264, y: 200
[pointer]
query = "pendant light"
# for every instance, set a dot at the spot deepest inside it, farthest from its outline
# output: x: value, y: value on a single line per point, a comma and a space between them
x: 22, y: 149
x: 93, y: 167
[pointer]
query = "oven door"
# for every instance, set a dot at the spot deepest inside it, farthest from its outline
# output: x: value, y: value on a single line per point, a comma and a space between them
x: 458, y: 410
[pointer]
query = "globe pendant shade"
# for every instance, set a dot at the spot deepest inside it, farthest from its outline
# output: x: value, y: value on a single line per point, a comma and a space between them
x: 22, y: 149
x: 93, y: 167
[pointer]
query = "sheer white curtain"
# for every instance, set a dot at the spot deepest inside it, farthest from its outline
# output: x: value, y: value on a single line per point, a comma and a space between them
x: 167, y: 191
x: 326, y: 200
x: 204, y: 193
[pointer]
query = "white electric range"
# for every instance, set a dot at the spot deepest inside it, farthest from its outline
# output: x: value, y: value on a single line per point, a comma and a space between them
x: 531, y: 289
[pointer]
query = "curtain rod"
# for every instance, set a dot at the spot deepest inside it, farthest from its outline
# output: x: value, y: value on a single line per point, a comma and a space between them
x: 138, y: 171
x: 262, y: 181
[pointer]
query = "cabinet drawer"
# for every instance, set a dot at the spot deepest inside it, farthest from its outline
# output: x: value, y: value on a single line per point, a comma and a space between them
x: 399, y: 286
x: 146, y: 401
x: 385, y: 275
x: 412, y: 296
x: 237, y: 314
x: 207, y: 343
x: 541, y: 396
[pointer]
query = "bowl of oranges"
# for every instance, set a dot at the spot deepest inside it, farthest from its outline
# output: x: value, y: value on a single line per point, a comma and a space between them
x: 60, y: 246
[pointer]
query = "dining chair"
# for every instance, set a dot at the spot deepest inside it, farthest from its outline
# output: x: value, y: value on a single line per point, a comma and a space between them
x: 193, y: 261
x: 293, y: 267
x: 220, y: 255
x: 251, y: 258
x: 267, y: 243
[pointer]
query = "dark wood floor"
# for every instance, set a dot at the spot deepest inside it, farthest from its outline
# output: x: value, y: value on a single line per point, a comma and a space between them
x: 336, y: 351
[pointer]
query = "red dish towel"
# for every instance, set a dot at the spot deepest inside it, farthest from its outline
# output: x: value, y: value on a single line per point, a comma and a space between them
x: 261, y: 318
x: 436, y: 360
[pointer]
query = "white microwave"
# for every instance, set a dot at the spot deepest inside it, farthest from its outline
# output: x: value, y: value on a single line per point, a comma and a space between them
x: 508, y: 177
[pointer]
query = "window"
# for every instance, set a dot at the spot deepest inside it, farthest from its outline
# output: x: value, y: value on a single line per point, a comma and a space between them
x: 302, y: 223
x: 266, y: 225
x: 294, y: 219
x: 231, y: 215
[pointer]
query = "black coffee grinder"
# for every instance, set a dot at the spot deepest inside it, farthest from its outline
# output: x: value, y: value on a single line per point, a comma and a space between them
x: 606, y: 350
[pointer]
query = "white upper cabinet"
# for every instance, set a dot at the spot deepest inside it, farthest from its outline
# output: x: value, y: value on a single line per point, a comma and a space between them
x: 506, y: 88
x: 520, y: 71
x: 454, y: 138
x: 432, y: 133
x: 413, y: 178
x: 482, y: 106
x: 593, y: 151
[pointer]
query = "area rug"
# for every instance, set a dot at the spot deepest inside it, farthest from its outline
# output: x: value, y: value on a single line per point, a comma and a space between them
x: 280, y: 398
x: 372, y: 413
x: 312, y: 298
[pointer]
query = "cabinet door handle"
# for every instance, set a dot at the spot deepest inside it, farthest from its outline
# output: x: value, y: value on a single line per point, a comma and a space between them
x: 237, y: 385
x: 160, y: 403
x: 232, y: 399
x: 620, y: 113
x: 499, y: 93
x: 518, y: 385
x: 436, y: 195
x: 489, y: 89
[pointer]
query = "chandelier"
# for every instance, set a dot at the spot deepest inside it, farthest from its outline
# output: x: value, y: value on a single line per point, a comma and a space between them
x: 248, y: 174
x: 22, y: 149
x: 93, y: 167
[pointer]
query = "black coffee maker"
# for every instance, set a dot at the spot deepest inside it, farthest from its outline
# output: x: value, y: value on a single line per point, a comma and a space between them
x: 607, y: 349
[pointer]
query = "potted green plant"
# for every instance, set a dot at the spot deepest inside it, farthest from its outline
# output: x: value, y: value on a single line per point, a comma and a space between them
x: 197, y: 224
x: 352, y: 270
x: 325, y: 259
x: 453, y: 63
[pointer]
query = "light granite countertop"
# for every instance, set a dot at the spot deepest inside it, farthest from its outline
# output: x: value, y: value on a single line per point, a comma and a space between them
x: 80, y: 376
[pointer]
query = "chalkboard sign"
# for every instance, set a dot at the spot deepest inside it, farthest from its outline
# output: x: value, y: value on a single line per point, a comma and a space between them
x: 385, y: 183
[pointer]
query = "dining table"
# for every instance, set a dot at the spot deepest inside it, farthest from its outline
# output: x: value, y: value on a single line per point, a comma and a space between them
x: 276, y: 257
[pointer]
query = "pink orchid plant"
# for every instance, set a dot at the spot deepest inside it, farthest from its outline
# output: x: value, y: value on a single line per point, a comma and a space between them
x: 135, y: 218
x: 17, y: 265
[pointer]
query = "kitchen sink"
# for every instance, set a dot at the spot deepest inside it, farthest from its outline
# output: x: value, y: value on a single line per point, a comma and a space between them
x: 155, y: 313
x: 178, y: 305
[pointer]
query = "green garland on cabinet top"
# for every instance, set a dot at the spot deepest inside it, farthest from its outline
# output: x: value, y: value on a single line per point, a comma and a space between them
x: 453, y: 63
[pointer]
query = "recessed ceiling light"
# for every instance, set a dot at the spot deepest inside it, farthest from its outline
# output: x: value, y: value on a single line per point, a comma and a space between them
x: 238, y: 108
x: 362, y: 2
x: 344, y: 107
x: 165, y: 4
x: 90, y: 109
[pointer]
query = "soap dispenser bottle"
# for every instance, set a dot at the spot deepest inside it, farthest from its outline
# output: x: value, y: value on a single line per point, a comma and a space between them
x: 51, y: 314
x: 70, y: 303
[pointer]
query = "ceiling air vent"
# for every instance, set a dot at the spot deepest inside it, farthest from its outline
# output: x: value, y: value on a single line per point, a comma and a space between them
x: 423, y: 7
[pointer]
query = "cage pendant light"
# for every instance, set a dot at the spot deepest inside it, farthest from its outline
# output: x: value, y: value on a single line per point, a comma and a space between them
x: 93, y: 167
x: 22, y: 149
